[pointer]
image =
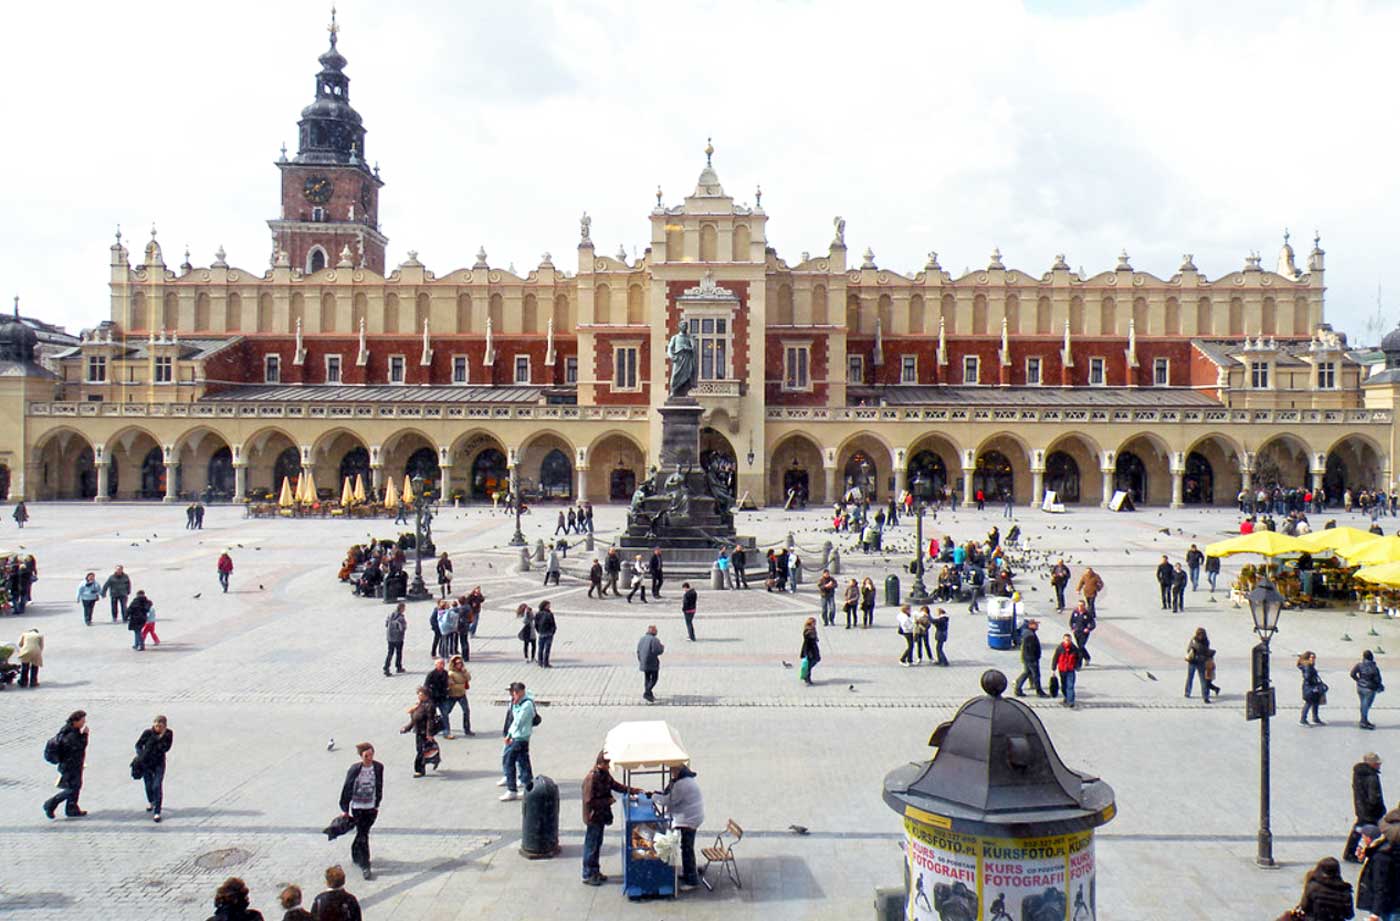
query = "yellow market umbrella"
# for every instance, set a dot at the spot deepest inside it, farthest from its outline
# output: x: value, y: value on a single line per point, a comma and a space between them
x: 359, y: 487
x: 391, y: 495
x: 1264, y: 543
x: 1338, y: 539
x: 308, y: 493
x: 286, y: 500
x: 347, y: 493
x: 1387, y: 574
x: 408, y: 496
x: 1374, y: 552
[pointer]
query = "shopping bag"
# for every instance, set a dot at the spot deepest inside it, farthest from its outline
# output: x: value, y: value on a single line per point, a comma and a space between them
x: 805, y: 670
x: 340, y: 825
x: 1054, y: 685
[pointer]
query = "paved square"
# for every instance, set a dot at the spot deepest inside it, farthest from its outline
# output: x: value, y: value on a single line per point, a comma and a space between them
x: 256, y: 681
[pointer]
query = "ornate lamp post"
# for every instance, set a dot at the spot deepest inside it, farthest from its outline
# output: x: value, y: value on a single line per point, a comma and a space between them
x: 918, y: 592
x: 1265, y: 605
x: 518, y: 538
x: 865, y: 477
x: 419, y: 591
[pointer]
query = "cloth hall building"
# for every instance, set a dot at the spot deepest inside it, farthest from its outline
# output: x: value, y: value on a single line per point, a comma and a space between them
x: 816, y: 374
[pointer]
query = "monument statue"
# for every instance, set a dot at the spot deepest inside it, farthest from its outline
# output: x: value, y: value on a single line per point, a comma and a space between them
x: 681, y: 351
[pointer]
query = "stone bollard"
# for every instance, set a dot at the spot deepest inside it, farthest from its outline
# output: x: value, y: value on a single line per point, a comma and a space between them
x: 797, y: 572
x: 539, y: 551
x: 826, y: 555
x: 588, y: 541
x: 716, y: 577
x: 524, y: 565
x: 789, y: 542
x: 1027, y: 846
x: 835, y: 566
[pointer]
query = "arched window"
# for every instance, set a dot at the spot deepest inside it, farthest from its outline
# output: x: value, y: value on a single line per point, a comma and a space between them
x: 1301, y: 326
x: 785, y: 313
x: 820, y: 316
x: 853, y: 313
x: 602, y: 304
x: 233, y: 313
x: 296, y: 312
x: 948, y: 315
x: 562, y: 318
x: 359, y: 309
x: 328, y: 310
x: 1013, y: 314
x: 264, y: 324
x: 1268, y: 318
x: 1204, y: 327
x: 636, y: 305
x: 391, y: 313
x: 1043, y: 317
x: 1076, y: 315
x: 530, y: 314
x: 741, y: 243
x: 1171, y: 321
x: 489, y: 474
x: 927, y: 475
x: 556, y: 475
x: 315, y: 260
x: 496, y: 310
x: 355, y: 463
x: 201, y: 311
x: 1236, y: 317
x: 464, y: 313
x: 1062, y: 476
x: 916, y: 314
x: 1140, y: 316
x: 709, y: 243
x: 170, y: 315
x: 424, y: 463
x: 675, y: 243
x: 1108, y: 317
x: 138, y: 311
x: 979, y: 315
x: 422, y: 310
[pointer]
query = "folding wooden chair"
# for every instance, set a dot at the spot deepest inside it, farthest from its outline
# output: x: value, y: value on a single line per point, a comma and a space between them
x: 723, y: 854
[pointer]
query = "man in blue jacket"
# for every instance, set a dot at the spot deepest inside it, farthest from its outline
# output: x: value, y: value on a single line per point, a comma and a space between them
x: 515, y: 761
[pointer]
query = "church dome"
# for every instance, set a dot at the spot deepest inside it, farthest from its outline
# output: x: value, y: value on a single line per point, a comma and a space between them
x: 17, y: 341
x: 1390, y: 345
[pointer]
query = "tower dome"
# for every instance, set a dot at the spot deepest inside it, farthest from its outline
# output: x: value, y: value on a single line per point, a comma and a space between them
x: 330, y: 130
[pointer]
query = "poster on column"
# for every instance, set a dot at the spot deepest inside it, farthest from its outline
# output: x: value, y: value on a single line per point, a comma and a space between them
x: 1024, y: 879
x: 1084, y: 899
x: 942, y: 874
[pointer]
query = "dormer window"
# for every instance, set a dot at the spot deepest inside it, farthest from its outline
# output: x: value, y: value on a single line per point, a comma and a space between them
x: 316, y: 259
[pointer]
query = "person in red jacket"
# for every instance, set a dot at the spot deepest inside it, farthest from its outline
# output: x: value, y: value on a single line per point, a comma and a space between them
x: 225, y: 569
x: 1066, y: 663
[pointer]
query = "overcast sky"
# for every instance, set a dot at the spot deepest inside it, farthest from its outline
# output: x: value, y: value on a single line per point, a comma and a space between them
x: 1040, y: 127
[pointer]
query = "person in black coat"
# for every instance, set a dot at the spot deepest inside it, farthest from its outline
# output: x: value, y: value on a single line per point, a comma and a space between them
x: 1378, y: 887
x: 737, y: 561
x: 545, y: 628
x: 1366, y: 798
x: 150, y: 758
x: 335, y: 904
x: 231, y: 902
x: 811, y: 647
x: 1164, y: 583
x: 360, y: 796
x: 136, y: 615
x: 654, y: 570
x: 71, y: 744
x: 1030, y: 660
x: 940, y: 634
x: 689, y: 602
x: 1326, y: 896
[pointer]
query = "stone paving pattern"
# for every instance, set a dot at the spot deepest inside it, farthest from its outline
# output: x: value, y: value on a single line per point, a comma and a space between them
x: 256, y: 681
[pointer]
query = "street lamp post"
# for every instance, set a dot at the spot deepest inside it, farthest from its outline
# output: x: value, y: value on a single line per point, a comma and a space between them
x: 1265, y: 605
x: 865, y: 476
x: 918, y: 593
x: 518, y: 538
x: 418, y: 591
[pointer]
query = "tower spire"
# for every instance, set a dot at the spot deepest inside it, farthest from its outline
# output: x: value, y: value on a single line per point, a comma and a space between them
x: 334, y: 27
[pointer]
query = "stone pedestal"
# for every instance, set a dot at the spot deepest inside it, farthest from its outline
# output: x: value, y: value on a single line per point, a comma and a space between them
x: 680, y: 434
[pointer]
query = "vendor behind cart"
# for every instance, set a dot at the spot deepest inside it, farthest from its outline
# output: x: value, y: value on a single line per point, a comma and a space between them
x: 683, y: 801
x: 598, y: 789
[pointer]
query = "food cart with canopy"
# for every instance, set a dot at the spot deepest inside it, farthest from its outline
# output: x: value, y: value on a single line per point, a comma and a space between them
x: 640, y: 749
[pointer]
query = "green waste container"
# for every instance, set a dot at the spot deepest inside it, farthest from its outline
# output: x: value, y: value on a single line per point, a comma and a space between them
x: 892, y: 590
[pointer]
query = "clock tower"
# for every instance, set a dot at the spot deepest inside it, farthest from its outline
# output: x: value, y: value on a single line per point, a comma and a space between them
x: 330, y: 197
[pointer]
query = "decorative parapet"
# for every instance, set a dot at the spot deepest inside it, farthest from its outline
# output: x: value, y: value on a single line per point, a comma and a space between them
x: 320, y: 410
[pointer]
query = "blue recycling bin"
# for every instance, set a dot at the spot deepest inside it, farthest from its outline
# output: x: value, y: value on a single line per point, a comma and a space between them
x: 1001, y: 623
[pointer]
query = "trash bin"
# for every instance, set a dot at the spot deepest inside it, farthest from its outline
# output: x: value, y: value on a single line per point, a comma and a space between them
x: 539, y: 820
x: 1001, y: 623
x: 892, y: 590
x: 716, y: 577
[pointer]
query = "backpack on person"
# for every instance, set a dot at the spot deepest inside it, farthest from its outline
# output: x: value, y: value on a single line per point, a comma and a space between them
x: 53, y: 750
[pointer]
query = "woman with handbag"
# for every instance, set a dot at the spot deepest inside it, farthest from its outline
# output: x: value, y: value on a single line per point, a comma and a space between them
x: 1198, y: 654
x: 1367, y: 675
x: 149, y: 763
x: 867, y: 602
x: 527, y: 631
x: 459, y: 680
x: 1314, y: 688
x: 811, y: 649
x: 421, y: 717
x: 922, y: 623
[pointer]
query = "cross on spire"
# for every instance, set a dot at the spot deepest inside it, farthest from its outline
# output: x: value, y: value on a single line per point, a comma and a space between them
x: 334, y: 27
x: 709, y: 150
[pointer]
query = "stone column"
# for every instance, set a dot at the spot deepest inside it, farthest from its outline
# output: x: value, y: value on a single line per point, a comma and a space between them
x: 240, y: 482
x: 1178, y: 479
x: 1107, y: 485
x: 172, y: 472
x: 445, y: 487
x: 829, y: 474
x: 581, y: 489
x: 376, y: 476
x: 1037, y: 486
x: 900, y: 481
x: 1246, y: 478
x: 515, y: 479
x: 1317, y: 476
x: 103, y: 474
x: 967, y: 486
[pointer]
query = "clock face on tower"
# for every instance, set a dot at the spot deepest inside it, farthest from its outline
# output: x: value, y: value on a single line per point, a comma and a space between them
x: 318, y: 189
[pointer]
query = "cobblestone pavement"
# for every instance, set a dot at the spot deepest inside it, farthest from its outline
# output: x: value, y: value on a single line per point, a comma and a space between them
x: 255, y: 682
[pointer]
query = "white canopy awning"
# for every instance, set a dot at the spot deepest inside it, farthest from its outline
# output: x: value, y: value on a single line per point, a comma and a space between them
x: 644, y: 745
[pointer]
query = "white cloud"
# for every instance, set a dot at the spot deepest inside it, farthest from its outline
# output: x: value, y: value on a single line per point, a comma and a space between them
x: 1159, y: 127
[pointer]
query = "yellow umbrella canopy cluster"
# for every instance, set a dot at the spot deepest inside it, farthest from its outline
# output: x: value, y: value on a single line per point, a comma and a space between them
x: 408, y: 497
x: 347, y: 492
x: 391, y: 496
x: 1387, y: 574
x: 1336, y: 540
x: 1377, y: 551
x: 359, y: 487
x: 286, y: 499
x: 1263, y: 543
x: 307, y: 485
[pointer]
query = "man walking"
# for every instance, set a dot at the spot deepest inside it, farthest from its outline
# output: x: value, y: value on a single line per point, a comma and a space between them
x: 1164, y: 582
x: 68, y: 750
x: 436, y: 684
x: 1059, y: 580
x: 225, y: 568
x: 826, y: 588
x: 1178, y: 589
x: 654, y: 570
x: 649, y: 650
x: 360, y: 796
x: 118, y: 588
x: 639, y: 573
x: 551, y: 568
x: 1082, y: 623
x: 136, y: 617
x: 1030, y: 660
x: 1366, y: 798
x: 545, y: 628
x: 613, y: 567
x: 515, y: 761
x: 1089, y: 586
x: 595, y: 578
x: 1194, y: 559
x: 395, y: 627
x: 689, y: 601
x: 598, y: 789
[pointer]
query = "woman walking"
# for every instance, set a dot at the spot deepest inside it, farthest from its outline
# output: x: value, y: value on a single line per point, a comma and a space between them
x: 150, y: 761
x: 811, y: 649
x: 88, y: 592
x: 852, y: 602
x: 1198, y: 654
x: 1314, y: 688
x: 148, y: 629
x: 444, y: 574
x: 940, y: 635
x: 905, y: 624
x: 527, y: 631
x: 420, y: 723
x: 867, y: 602
x: 1367, y: 675
x: 458, y: 681
x: 922, y: 623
